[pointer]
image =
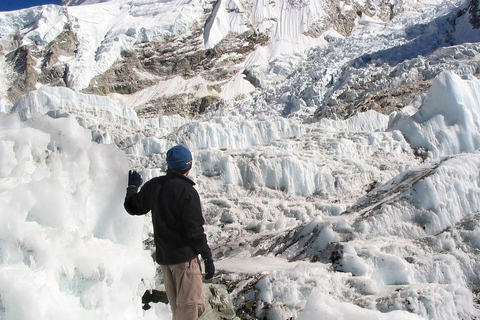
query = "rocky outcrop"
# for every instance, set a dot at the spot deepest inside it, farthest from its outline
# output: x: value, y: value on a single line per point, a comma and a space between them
x: 179, y: 57
x: 124, y: 77
x: 183, y: 104
x: 25, y: 76
x: 55, y: 72
x: 384, y: 101
x: 25, y: 60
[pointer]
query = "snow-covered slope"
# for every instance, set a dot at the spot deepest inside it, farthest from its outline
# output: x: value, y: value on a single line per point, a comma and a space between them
x: 335, y: 149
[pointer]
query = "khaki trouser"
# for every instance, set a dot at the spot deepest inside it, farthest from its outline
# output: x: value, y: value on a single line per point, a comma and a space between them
x: 184, y: 287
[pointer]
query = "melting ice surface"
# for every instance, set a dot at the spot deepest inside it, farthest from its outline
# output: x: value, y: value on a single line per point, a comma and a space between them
x: 407, y: 249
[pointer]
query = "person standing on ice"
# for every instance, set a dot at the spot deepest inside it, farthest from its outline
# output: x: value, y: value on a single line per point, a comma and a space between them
x: 178, y: 231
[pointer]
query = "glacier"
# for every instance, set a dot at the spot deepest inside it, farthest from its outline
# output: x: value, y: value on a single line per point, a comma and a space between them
x: 370, y: 216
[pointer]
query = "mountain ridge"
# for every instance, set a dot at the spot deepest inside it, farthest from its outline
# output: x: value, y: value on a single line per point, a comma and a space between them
x: 143, y: 61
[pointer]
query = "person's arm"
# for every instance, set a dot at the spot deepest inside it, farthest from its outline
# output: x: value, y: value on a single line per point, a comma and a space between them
x: 136, y: 203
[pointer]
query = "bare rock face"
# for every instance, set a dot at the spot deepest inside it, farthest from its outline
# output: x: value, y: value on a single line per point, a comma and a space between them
x: 185, y: 105
x: 387, y: 101
x: 185, y: 57
x: 25, y: 76
x: 54, y: 72
x: 161, y: 60
x: 123, y: 78
x: 26, y: 58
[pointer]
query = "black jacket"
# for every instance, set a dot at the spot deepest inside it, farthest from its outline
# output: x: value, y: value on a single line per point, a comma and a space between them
x: 176, y: 214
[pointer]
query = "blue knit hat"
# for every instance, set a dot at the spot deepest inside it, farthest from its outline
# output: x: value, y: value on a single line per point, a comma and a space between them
x: 179, y: 158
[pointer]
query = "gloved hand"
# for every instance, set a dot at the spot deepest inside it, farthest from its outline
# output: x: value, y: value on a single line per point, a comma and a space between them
x: 209, y: 267
x: 134, y: 179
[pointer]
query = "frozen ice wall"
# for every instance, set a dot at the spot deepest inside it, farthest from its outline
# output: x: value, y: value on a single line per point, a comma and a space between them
x: 448, y: 121
x: 67, y: 247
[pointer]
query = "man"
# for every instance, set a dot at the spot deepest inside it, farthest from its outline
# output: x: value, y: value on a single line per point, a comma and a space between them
x: 178, y: 231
